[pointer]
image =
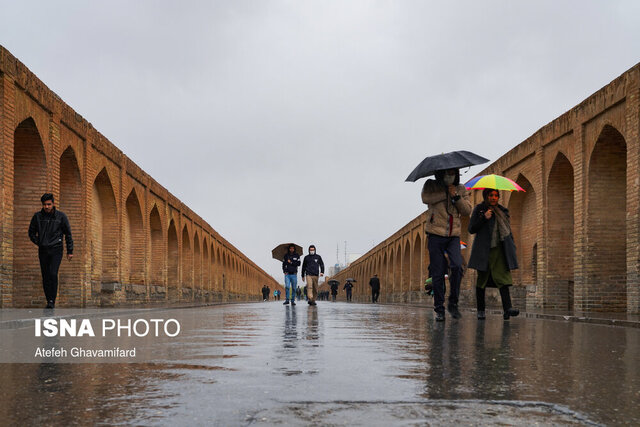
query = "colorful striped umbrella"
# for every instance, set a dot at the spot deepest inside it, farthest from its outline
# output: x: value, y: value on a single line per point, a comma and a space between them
x: 495, y: 182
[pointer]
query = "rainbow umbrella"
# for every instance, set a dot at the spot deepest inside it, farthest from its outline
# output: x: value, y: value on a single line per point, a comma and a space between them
x: 495, y: 182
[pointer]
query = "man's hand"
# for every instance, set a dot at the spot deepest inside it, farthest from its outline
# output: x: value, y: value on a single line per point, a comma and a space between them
x: 289, y: 261
x: 69, y: 256
x: 321, y: 274
x: 303, y: 278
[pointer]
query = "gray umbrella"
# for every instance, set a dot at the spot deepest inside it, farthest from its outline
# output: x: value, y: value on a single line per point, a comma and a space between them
x: 452, y: 160
x: 332, y: 281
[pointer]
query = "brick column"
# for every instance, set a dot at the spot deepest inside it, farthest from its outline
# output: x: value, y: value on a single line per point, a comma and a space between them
x: 632, y: 118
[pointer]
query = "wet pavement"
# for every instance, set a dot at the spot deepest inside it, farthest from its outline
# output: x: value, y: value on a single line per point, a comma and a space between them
x: 347, y: 364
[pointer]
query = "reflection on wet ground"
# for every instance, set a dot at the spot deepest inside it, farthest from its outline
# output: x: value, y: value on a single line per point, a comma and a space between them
x: 350, y: 364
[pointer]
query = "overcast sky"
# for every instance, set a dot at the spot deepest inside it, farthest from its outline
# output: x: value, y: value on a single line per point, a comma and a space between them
x: 300, y: 120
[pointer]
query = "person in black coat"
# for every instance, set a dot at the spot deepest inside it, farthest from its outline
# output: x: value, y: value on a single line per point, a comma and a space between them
x: 47, y: 228
x: 374, y: 282
x: 334, y: 290
x: 349, y: 288
x: 493, y: 253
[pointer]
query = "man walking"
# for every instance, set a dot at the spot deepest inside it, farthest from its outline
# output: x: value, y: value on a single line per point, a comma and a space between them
x: 290, y: 264
x: 46, y: 230
x: 349, y: 288
x: 312, y: 268
x: 375, y: 288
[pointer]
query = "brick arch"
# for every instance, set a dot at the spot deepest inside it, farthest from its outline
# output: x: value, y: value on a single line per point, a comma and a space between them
x: 524, y: 221
x: 104, y: 231
x: 389, y: 280
x: 157, y: 248
x: 397, y: 271
x: 558, y: 286
x: 416, y: 264
x: 30, y: 182
x: 606, y: 223
x: 406, y: 266
x: 70, y: 202
x: 197, y: 262
x: 187, y: 260
x: 206, y: 266
x: 134, y: 240
x: 173, y: 260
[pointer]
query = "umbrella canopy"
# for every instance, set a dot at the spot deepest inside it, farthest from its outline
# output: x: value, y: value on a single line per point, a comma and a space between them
x: 452, y: 160
x: 281, y: 250
x: 495, y: 182
x: 332, y: 281
x: 351, y: 280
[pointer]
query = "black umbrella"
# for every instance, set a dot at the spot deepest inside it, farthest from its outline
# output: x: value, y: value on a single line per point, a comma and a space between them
x: 332, y: 281
x: 351, y: 280
x: 452, y: 160
x: 281, y: 250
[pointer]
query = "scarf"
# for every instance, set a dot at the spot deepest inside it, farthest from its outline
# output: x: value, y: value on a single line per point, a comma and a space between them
x: 502, y: 221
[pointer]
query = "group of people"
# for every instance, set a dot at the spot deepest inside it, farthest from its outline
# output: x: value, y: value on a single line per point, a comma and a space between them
x: 312, y: 270
x: 493, y: 253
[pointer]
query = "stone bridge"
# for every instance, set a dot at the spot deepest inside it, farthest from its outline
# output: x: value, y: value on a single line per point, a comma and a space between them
x: 576, y: 226
x: 134, y: 241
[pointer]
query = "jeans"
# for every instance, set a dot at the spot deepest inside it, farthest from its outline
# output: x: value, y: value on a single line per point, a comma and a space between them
x: 50, y: 259
x: 437, y: 246
x: 290, y: 286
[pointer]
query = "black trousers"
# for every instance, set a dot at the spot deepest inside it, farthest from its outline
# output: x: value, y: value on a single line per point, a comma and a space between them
x: 50, y: 259
x: 504, y: 296
x: 438, y: 246
x: 375, y: 293
x: 349, y: 295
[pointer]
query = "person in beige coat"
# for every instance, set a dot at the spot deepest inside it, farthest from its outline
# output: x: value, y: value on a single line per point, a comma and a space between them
x: 448, y: 201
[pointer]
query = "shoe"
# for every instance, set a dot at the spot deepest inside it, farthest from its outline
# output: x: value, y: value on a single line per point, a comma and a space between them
x: 512, y: 312
x: 286, y: 302
x: 453, y: 310
x: 293, y: 302
x: 439, y: 317
x: 312, y: 303
x: 481, y: 315
x: 49, y: 304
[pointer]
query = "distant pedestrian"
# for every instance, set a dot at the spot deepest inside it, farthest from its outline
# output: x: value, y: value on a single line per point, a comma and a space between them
x: 448, y: 201
x: 265, y: 293
x: 276, y: 295
x: 374, y: 282
x: 299, y: 293
x: 494, y: 252
x: 290, y: 264
x: 348, y: 287
x: 47, y: 228
x: 312, y: 268
x: 334, y: 290
x: 268, y: 292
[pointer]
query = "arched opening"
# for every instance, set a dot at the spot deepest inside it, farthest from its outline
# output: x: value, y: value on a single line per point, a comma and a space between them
x: 197, y: 262
x: 389, y: 280
x: 397, y: 277
x: 416, y: 262
x: 30, y: 182
x: 383, y: 275
x: 104, y: 231
x: 157, y: 248
x: 206, y: 267
x: 524, y: 221
x: 134, y: 240
x: 558, y: 292
x: 173, y: 261
x: 70, y: 277
x: 606, y: 265
x: 187, y: 262
x: 406, y: 269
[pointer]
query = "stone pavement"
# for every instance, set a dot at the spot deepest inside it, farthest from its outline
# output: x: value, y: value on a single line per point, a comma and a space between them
x: 348, y: 364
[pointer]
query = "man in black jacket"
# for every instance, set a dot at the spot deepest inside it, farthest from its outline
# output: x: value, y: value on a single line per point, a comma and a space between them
x: 46, y: 230
x: 375, y: 288
x: 290, y: 264
x: 312, y: 268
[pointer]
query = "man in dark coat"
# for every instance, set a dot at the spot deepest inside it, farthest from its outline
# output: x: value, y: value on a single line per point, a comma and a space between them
x: 46, y: 230
x: 374, y: 282
x: 334, y: 290
x: 312, y: 268
x: 290, y: 264
x: 349, y: 288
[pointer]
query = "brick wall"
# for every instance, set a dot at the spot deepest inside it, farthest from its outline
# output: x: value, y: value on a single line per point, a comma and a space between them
x: 577, y: 226
x: 125, y: 225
